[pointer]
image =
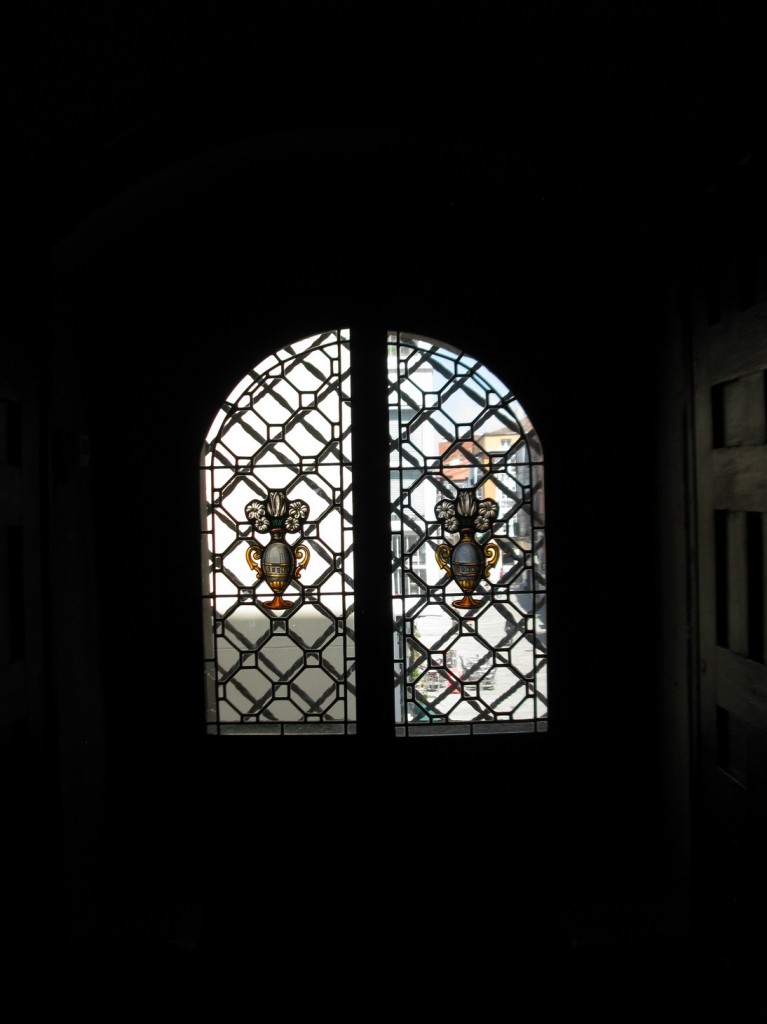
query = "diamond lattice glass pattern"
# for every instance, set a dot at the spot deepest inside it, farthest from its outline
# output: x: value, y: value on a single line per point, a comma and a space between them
x: 454, y: 427
x: 284, y: 429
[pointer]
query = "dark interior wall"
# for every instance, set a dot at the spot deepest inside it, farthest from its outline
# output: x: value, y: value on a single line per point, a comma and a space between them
x: 163, y: 300
x: 672, y: 524
x: 215, y: 184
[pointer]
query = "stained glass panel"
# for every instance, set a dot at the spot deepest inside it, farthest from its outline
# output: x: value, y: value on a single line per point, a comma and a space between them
x: 467, y: 547
x: 466, y: 476
x: 278, y: 559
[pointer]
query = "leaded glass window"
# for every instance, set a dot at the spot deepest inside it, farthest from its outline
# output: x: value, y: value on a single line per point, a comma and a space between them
x: 281, y: 661
x: 466, y: 475
x: 458, y: 437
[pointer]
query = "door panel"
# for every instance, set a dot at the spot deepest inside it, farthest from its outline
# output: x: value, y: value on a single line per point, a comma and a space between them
x: 730, y: 359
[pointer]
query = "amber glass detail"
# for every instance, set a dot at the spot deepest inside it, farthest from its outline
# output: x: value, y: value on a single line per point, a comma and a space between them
x: 467, y: 562
x: 280, y: 563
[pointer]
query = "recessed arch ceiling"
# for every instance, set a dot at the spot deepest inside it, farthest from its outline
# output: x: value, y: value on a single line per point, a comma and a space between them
x: 599, y: 101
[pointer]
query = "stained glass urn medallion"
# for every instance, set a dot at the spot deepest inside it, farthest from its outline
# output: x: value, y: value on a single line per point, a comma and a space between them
x: 280, y: 563
x: 467, y: 561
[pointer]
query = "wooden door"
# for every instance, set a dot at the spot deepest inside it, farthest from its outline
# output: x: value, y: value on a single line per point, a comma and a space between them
x: 729, y: 356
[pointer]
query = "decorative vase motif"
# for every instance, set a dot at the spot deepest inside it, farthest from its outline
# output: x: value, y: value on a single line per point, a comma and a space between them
x: 467, y: 561
x: 280, y: 563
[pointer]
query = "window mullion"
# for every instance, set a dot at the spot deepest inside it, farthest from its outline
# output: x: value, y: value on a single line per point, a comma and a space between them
x: 372, y: 522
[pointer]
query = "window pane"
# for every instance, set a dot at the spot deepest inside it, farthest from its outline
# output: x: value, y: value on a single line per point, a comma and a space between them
x: 476, y: 663
x: 280, y: 638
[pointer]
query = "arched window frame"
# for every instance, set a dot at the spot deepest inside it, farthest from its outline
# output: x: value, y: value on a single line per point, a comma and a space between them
x: 414, y: 663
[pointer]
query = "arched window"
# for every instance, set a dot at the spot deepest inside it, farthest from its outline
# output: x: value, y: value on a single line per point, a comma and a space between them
x: 468, y: 586
x: 280, y: 511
